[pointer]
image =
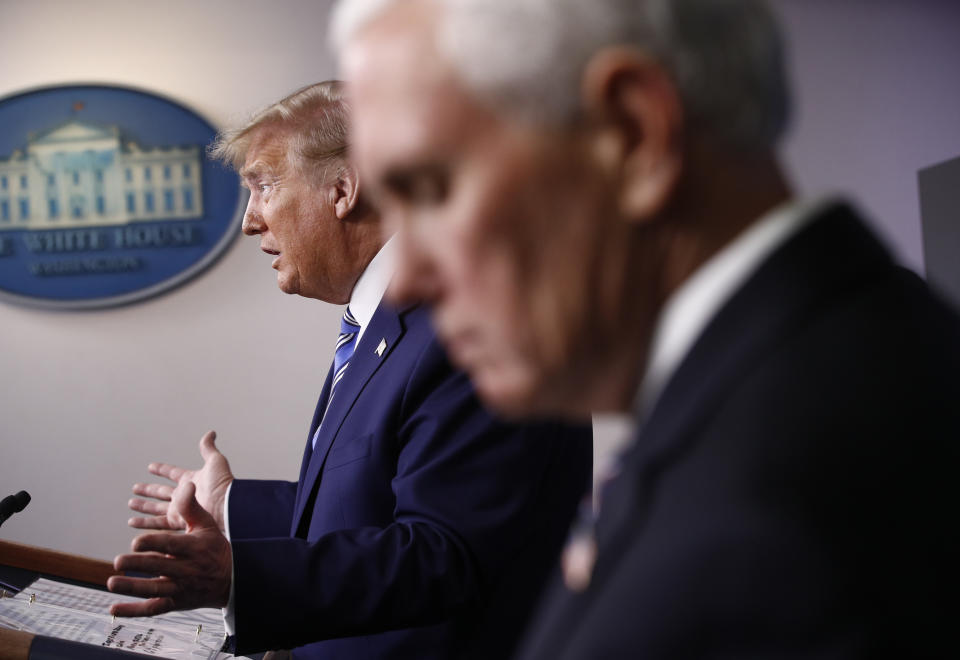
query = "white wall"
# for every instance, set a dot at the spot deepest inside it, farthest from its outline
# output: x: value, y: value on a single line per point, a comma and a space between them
x: 878, y: 98
x: 88, y: 399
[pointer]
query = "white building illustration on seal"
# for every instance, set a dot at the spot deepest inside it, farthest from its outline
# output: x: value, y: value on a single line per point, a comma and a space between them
x: 82, y: 175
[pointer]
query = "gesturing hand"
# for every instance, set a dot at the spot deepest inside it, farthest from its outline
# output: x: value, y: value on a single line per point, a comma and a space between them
x: 192, y: 569
x: 211, y: 481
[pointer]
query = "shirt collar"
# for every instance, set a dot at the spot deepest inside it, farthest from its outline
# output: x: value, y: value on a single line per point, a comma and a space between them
x: 373, y: 283
x: 689, y: 310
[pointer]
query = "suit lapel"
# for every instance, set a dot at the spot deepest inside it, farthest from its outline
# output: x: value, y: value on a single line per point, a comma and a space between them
x: 385, y: 327
x: 308, y: 449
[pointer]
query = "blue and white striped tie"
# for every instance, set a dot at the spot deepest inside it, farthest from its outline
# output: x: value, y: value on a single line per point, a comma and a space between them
x: 346, y: 342
x: 345, y: 345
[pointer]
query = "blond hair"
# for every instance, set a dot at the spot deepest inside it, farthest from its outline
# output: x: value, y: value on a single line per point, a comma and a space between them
x: 316, y: 119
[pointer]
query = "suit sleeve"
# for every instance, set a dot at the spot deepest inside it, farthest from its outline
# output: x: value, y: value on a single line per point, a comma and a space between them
x: 467, y: 492
x: 260, y: 508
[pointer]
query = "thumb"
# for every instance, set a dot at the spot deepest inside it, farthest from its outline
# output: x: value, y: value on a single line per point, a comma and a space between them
x: 208, y: 448
x: 185, y: 503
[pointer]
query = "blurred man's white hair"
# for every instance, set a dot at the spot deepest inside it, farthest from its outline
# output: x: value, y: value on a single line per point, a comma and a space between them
x: 725, y: 56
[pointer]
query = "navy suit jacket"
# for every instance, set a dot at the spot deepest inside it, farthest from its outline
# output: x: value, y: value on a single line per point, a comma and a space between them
x: 793, y: 493
x: 420, y: 526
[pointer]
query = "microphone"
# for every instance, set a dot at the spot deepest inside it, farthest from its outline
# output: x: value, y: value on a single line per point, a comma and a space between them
x: 13, y: 504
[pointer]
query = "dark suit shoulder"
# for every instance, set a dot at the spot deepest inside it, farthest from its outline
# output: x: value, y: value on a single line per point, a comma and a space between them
x: 790, y: 493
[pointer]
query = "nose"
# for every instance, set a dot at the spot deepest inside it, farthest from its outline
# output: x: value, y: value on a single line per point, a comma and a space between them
x: 414, y: 278
x: 252, y: 220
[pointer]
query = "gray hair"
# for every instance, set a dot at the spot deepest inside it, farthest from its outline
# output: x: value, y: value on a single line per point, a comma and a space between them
x: 316, y: 117
x: 527, y: 56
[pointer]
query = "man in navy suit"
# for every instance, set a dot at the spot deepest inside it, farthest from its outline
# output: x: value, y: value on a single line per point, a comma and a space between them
x: 590, y: 200
x: 420, y: 527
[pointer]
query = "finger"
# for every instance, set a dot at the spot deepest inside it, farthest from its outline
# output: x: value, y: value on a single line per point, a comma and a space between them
x: 150, y: 563
x: 156, y: 491
x: 158, y: 587
x: 163, y: 543
x: 171, y: 472
x: 185, y: 504
x: 147, y: 506
x: 152, y: 522
x: 151, y: 607
x: 208, y: 447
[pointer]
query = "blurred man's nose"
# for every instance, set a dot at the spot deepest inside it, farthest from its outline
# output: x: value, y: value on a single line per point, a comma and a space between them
x: 413, y: 280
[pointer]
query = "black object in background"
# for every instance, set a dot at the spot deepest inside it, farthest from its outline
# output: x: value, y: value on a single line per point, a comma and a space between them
x: 13, y: 504
x: 940, y: 213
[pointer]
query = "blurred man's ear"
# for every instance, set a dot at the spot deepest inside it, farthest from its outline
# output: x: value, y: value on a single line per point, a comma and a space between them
x: 638, y: 111
x: 347, y: 191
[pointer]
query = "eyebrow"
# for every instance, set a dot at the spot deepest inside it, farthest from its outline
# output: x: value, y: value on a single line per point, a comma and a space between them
x: 255, y: 169
x: 398, y: 175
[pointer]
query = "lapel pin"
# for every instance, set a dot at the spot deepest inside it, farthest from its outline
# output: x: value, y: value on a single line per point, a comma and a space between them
x: 381, y: 348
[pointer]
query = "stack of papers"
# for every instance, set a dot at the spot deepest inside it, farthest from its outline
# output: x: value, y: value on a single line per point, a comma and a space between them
x: 81, y: 614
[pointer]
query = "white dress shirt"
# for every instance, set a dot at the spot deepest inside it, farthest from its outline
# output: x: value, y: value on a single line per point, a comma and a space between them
x: 373, y: 283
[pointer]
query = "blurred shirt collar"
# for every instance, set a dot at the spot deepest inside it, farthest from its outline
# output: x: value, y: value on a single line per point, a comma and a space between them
x: 689, y: 310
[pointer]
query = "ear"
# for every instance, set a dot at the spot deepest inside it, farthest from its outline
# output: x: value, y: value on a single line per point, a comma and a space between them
x: 640, y: 117
x: 346, y: 191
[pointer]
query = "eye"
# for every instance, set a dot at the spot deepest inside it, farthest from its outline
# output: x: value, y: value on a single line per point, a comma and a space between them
x: 263, y: 187
x: 428, y: 189
x: 425, y: 186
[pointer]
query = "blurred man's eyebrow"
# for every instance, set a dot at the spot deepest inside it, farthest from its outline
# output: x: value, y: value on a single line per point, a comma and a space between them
x: 400, y: 175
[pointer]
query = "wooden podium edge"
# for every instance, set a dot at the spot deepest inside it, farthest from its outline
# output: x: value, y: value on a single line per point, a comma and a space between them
x: 56, y: 563
x: 15, y: 644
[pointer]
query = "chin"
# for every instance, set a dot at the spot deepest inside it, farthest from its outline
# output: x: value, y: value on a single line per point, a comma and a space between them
x: 287, y: 284
x: 515, y: 393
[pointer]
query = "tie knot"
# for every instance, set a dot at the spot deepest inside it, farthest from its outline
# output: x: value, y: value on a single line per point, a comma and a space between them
x: 345, y: 344
x: 348, y: 323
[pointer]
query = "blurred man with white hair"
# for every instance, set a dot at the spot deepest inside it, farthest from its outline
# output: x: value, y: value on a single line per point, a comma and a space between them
x: 588, y: 195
